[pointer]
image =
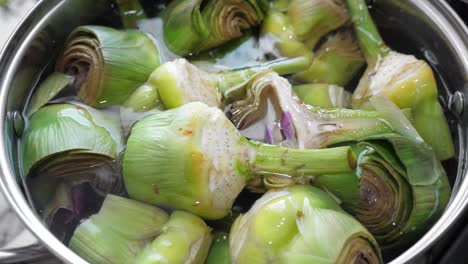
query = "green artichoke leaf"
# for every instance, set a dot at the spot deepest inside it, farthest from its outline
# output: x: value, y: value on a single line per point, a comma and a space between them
x: 48, y: 89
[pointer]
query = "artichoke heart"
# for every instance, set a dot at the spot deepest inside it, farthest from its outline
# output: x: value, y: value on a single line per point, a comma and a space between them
x: 300, y: 224
x: 193, y: 158
x: 108, y: 64
x: 192, y: 26
x: 294, y: 124
x: 406, y: 80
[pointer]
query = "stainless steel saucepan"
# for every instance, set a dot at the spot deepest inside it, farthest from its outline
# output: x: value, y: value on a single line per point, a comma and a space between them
x: 427, y: 28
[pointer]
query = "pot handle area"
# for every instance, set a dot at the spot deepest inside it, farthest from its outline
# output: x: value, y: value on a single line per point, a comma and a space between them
x: 27, y: 254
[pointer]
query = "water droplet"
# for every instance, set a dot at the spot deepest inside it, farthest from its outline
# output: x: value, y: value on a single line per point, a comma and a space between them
x: 283, y: 28
x: 103, y: 102
x: 270, y: 243
x: 197, y: 203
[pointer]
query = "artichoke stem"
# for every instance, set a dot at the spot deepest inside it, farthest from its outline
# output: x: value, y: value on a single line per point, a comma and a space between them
x: 275, y: 160
x: 369, y: 38
x: 130, y: 12
x: 430, y: 122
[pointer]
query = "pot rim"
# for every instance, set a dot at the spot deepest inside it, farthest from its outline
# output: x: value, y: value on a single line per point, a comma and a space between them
x: 444, y: 16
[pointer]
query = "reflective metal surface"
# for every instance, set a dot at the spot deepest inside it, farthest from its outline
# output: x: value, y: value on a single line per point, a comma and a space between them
x: 427, y: 28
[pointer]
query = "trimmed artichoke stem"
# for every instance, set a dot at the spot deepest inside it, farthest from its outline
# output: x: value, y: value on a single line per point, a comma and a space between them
x: 372, y: 44
x: 130, y: 12
x: 274, y: 160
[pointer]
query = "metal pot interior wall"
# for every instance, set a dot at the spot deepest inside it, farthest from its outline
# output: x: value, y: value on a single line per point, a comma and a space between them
x: 405, y: 27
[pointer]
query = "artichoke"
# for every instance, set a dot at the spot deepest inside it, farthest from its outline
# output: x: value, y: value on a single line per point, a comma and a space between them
x: 69, y: 140
x: 337, y: 61
x: 277, y: 35
x: 108, y: 64
x: 68, y: 152
x: 192, y: 26
x: 193, y: 158
x: 300, y: 224
x: 119, y: 232
x: 400, y: 188
x: 179, y: 82
x: 271, y: 105
x: 295, y: 28
x: 313, y: 19
x: 127, y: 231
x: 407, y: 81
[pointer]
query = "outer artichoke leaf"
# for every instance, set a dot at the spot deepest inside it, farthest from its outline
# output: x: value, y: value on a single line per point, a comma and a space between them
x: 48, y: 89
x: 419, y: 160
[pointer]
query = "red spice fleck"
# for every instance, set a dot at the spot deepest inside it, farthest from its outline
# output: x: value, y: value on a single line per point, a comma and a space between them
x: 155, y: 189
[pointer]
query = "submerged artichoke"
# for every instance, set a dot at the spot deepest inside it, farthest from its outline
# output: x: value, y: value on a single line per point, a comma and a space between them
x: 407, y: 81
x: 193, y: 158
x: 400, y: 188
x: 179, y: 82
x: 68, y: 140
x: 300, y: 224
x: 312, y: 19
x: 68, y: 154
x: 192, y: 26
x: 108, y: 64
x: 336, y: 61
x: 271, y: 107
x: 306, y: 22
x: 127, y: 231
